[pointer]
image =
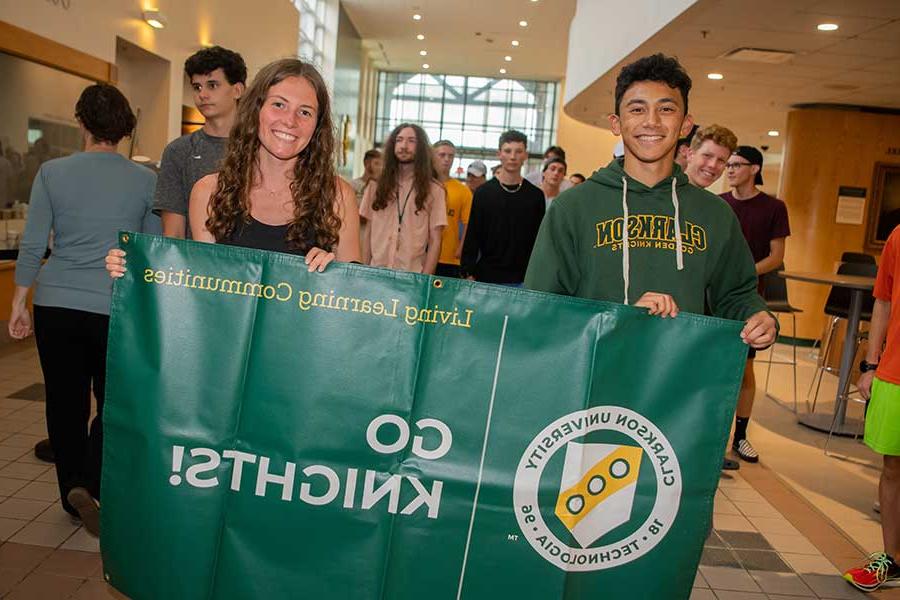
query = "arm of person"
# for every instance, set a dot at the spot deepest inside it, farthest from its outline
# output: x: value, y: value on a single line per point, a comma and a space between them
x: 169, y: 199
x: 32, y: 248
x: 365, y: 216
x: 348, y: 244
x: 465, y: 211
x: 881, y: 316
x: 732, y: 291
x: 775, y: 258
x: 435, y: 235
x: 553, y: 266
x: 151, y: 222
x: 198, y: 207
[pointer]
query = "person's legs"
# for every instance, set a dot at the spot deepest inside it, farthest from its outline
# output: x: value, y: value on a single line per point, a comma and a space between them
x: 742, y: 415
x: 67, y: 384
x: 883, y: 436
x: 99, y: 327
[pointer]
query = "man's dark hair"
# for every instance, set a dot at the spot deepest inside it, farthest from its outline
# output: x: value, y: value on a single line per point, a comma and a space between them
x: 686, y: 140
x: 555, y: 150
x: 579, y: 176
x: 104, y: 111
x: 209, y: 59
x: 512, y: 136
x: 370, y: 154
x: 658, y: 67
x: 555, y: 161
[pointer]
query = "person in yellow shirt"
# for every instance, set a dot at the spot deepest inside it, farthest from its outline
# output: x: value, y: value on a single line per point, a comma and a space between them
x: 459, y: 204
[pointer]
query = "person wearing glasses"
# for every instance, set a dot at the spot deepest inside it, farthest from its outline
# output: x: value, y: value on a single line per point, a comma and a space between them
x: 764, y: 221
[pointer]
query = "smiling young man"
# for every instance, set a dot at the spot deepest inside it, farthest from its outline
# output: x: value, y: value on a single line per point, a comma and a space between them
x: 710, y: 149
x: 681, y: 244
x: 218, y: 77
x: 506, y: 215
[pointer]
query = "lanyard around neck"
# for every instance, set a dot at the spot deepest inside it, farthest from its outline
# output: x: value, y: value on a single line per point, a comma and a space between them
x: 401, y: 212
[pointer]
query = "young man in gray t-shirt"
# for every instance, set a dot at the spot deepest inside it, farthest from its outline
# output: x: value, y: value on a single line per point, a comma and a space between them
x: 218, y: 77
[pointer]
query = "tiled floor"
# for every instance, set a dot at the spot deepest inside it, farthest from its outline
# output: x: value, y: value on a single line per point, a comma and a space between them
x: 783, y: 529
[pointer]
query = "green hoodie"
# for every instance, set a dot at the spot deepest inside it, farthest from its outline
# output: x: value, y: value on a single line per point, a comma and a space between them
x: 579, y: 249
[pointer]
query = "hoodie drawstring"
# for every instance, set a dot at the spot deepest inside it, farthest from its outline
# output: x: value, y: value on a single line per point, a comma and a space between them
x: 625, y: 256
x: 679, y: 245
x: 679, y: 248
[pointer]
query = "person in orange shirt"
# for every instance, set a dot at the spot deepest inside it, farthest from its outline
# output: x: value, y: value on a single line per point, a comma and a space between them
x: 459, y: 204
x: 880, y: 383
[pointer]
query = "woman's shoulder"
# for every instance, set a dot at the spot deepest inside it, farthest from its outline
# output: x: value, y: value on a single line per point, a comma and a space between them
x: 206, y: 184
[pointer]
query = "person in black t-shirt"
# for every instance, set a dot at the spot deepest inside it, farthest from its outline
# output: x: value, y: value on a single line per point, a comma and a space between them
x: 506, y: 215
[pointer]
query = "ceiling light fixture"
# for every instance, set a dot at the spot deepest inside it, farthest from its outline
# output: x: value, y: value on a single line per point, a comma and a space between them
x: 417, y: 17
x: 426, y: 66
x: 423, y: 52
x: 507, y: 58
x: 523, y: 23
x: 154, y: 18
x: 515, y: 42
x: 503, y: 71
x: 715, y: 76
x: 774, y: 133
x: 827, y: 27
x: 420, y: 37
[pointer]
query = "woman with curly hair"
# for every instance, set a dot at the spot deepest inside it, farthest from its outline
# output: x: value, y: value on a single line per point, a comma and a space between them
x: 277, y: 189
x: 84, y: 199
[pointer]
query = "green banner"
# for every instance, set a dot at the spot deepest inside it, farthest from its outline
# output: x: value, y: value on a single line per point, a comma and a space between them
x: 369, y: 434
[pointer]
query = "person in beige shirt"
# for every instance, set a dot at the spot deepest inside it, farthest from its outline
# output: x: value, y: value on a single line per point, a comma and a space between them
x: 406, y: 211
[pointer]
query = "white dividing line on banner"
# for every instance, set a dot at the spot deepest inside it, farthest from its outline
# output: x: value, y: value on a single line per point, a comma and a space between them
x: 487, y: 433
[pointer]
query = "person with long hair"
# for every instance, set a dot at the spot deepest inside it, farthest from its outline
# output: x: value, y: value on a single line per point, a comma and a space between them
x: 84, y: 199
x: 278, y: 189
x: 406, y: 209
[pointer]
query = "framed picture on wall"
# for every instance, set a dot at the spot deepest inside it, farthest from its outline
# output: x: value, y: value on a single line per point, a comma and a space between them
x: 884, y: 210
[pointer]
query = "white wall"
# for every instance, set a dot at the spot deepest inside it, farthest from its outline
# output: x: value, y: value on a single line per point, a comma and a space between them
x: 604, y: 32
x: 261, y: 30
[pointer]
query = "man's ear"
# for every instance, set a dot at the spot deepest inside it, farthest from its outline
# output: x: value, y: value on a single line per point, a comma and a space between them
x: 615, y: 124
x: 686, y: 125
x: 239, y: 89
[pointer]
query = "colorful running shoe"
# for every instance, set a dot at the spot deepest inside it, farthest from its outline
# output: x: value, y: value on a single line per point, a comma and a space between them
x: 878, y: 571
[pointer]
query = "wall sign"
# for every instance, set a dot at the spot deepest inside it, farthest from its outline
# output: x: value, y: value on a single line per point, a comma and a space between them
x: 851, y: 206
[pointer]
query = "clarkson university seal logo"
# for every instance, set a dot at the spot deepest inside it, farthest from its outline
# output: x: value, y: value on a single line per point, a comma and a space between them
x: 604, y: 479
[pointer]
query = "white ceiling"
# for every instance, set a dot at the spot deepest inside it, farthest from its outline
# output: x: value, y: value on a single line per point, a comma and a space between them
x: 451, y: 39
x: 858, y: 64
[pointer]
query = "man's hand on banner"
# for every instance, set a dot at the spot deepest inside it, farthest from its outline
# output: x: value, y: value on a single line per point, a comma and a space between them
x: 658, y: 304
x: 317, y: 259
x: 760, y: 330
x: 115, y: 263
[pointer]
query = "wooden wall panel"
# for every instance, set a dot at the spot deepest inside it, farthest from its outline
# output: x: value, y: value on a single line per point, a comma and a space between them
x: 33, y: 47
x: 826, y: 149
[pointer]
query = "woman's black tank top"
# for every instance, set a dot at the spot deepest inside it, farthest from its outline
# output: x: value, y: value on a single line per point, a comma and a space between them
x: 261, y: 236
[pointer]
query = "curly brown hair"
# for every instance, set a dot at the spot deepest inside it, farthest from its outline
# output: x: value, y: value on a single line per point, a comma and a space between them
x: 424, y: 172
x: 316, y: 221
x: 718, y: 134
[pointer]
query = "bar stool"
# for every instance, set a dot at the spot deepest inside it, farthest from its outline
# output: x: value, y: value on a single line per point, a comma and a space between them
x: 838, y: 307
x: 776, y: 297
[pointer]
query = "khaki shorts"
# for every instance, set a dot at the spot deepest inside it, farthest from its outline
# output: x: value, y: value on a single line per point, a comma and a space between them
x: 883, y: 419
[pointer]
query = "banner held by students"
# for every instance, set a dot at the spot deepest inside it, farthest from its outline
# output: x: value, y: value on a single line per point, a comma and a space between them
x: 365, y: 434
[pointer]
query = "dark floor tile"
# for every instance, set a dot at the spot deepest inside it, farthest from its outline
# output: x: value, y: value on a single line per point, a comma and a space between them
x: 718, y: 557
x: 745, y: 540
x: 713, y: 541
x: 832, y: 587
x: 34, y: 392
x: 762, y: 560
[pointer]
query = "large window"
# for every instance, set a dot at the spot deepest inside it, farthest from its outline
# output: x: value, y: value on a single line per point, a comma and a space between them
x: 471, y: 112
x: 312, y: 30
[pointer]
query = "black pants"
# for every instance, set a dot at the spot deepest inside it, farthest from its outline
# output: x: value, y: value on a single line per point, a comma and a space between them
x: 72, y: 348
x: 447, y: 270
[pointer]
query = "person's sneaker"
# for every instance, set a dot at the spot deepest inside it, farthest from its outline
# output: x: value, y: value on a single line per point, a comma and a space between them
x: 730, y: 465
x: 745, y: 450
x: 82, y: 501
x: 878, y: 571
x: 44, y: 451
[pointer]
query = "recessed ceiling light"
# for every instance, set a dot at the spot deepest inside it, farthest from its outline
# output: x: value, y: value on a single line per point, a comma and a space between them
x: 420, y: 37
x: 417, y: 17
x: 515, y: 42
x: 426, y: 66
x: 715, y: 76
x: 827, y: 27
x: 507, y: 58
x: 423, y: 52
x: 523, y: 23
x: 503, y: 71
x: 774, y: 133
